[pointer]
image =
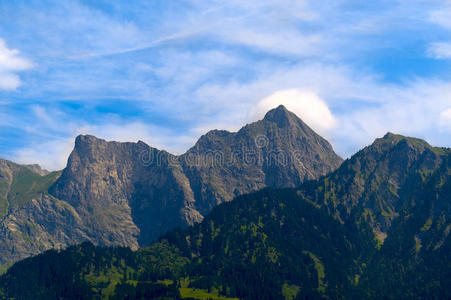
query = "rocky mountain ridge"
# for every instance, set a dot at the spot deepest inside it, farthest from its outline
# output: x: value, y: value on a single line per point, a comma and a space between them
x: 128, y: 194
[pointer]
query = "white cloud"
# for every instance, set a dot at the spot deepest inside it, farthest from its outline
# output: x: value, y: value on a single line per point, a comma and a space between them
x: 11, y: 62
x: 440, y: 50
x: 305, y: 104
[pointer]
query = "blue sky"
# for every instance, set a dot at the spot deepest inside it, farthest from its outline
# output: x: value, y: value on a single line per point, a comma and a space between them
x: 167, y: 71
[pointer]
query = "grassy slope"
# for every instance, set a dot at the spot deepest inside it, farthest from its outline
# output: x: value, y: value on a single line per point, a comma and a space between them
x: 25, y: 185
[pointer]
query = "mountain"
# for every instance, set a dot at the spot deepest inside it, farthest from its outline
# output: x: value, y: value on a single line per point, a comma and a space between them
x: 128, y: 194
x: 376, y: 228
x: 278, y: 151
x: 31, y: 219
x: 376, y: 183
x: 18, y: 183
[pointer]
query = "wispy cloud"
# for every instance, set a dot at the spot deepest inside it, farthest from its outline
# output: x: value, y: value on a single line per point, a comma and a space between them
x: 441, y: 15
x: 440, y: 50
x: 166, y: 72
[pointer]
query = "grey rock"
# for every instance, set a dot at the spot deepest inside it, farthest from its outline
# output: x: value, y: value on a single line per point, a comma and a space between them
x: 128, y: 194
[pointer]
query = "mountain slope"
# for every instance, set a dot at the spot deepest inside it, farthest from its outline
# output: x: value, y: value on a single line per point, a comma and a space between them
x: 159, y: 191
x: 375, y: 183
x: 19, y: 183
x: 259, y: 246
x: 128, y: 194
x: 415, y: 259
x: 377, y: 227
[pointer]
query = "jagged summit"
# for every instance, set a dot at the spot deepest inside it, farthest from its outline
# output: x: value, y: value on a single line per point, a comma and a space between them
x: 281, y: 115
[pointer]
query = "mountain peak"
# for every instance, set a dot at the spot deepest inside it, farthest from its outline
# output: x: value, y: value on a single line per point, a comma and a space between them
x: 280, y: 115
x: 395, y: 149
x: 87, y: 139
x: 394, y: 139
x: 281, y: 107
x: 390, y: 135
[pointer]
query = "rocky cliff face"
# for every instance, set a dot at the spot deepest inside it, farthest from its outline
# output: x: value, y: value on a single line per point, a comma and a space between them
x: 126, y: 188
x: 129, y: 193
x: 278, y: 151
x: 41, y: 224
x: 159, y: 191
x: 25, y: 211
